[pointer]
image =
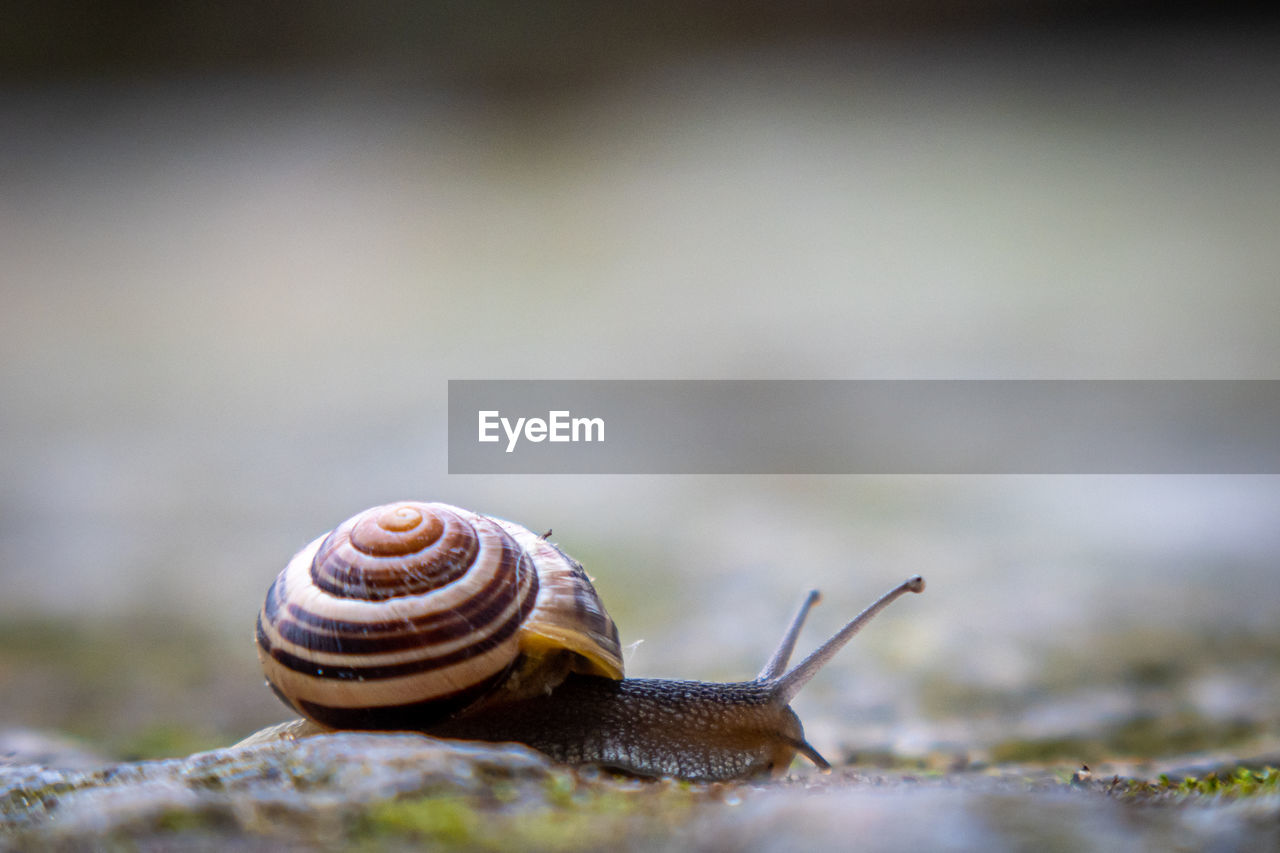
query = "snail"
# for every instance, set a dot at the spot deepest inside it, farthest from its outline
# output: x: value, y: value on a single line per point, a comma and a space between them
x: 427, y: 617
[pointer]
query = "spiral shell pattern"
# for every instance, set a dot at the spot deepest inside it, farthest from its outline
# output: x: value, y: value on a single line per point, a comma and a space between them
x: 409, y: 612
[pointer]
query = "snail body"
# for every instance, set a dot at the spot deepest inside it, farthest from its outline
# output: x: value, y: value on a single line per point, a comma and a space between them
x: 427, y: 617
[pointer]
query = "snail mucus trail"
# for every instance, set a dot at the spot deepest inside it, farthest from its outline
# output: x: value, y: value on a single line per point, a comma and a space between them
x: 427, y: 617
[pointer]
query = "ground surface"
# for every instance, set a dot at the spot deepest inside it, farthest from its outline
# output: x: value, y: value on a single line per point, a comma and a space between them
x: 387, y: 791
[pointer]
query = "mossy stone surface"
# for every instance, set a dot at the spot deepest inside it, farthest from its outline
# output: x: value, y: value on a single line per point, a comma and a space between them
x: 405, y: 791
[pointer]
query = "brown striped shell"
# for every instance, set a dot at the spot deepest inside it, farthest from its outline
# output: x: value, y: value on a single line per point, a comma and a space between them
x: 409, y: 613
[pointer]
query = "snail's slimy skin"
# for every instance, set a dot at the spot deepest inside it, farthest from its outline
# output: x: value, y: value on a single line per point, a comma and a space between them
x: 431, y: 618
x: 648, y: 727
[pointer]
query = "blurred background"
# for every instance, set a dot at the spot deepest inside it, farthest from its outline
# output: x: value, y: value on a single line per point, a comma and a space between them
x: 244, y: 246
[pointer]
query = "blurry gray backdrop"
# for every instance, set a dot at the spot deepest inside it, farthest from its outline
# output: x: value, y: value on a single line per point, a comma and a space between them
x: 235, y: 276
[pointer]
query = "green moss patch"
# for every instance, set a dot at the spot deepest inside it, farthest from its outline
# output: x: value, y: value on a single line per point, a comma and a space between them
x: 1232, y: 784
x: 566, y: 815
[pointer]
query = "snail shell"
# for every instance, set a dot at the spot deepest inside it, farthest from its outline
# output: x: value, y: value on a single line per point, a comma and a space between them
x: 410, y: 612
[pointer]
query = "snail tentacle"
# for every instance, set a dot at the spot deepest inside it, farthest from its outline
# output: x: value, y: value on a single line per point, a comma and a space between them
x: 787, y: 686
x: 777, y: 664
